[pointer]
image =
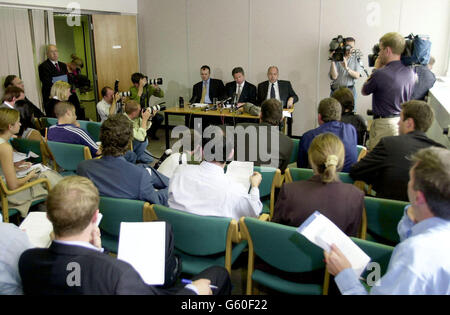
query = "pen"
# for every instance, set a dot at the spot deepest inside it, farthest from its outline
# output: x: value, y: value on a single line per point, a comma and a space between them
x: 187, y: 281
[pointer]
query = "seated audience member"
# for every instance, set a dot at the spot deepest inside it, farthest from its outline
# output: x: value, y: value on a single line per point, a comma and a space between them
x: 190, y: 153
x: 420, y: 264
x: 245, y: 91
x: 277, y: 149
x: 141, y: 122
x: 13, y: 242
x: 207, y: 89
x: 386, y: 166
x: 60, y: 92
x: 114, y: 176
x: 108, y: 105
x: 13, y: 80
x: 345, y: 97
x: 141, y: 92
x: 329, y: 120
x: 205, y: 190
x: 11, y: 96
x: 425, y: 80
x: 67, y: 130
x: 72, y: 208
x: 9, y: 126
x: 340, y: 202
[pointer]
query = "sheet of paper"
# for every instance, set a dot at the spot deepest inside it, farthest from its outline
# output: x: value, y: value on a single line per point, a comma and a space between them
x: 38, y: 167
x: 287, y: 114
x: 240, y: 172
x: 143, y: 244
x: 19, y: 156
x: 38, y: 229
x: 322, y: 232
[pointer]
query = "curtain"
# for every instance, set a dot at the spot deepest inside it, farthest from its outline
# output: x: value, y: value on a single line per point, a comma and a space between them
x: 24, y: 35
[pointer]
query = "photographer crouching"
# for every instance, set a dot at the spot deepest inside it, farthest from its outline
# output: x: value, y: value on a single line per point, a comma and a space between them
x: 141, y: 91
x: 345, y: 66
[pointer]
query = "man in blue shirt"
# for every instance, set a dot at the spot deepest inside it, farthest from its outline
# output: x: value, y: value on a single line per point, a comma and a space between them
x: 329, y: 117
x: 420, y: 264
x: 114, y: 176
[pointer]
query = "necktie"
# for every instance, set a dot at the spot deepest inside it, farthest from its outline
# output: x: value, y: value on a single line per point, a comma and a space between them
x: 202, y: 100
x: 272, y: 91
x: 57, y: 67
x: 239, y: 92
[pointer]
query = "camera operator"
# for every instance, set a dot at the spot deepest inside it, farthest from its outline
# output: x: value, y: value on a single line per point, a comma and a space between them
x: 391, y: 84
x: 141, y: 119
x: 345, y: 73
x: 108, y: 105
x: 141, y: 92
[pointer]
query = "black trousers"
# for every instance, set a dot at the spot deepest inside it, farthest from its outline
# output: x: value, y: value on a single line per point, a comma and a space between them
x: 157, y: 121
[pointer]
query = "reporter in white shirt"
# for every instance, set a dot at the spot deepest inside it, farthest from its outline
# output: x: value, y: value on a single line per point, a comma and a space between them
x: 108, y: 105
x: 205, y: 190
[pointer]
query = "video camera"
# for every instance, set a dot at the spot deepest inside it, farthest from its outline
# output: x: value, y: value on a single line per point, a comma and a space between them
x: 374, y: 55
x: 339, y: 46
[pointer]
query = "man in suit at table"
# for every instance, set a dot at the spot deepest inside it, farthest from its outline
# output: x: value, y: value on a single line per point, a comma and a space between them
x: 75, y: 263
x: 49, y: 69
x: 279, y: 89
x: 206, y: 90
x: 245, y: 91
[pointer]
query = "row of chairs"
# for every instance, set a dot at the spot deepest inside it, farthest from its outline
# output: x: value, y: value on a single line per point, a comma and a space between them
x: 204, y: 241
x: 92, y: 127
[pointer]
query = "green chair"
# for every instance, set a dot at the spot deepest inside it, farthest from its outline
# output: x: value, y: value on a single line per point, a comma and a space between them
x: 271, y: 179
x: 362, y: 152
x: 284, y: 248
x: 48, y: 121
x: 296, y: 174
x: 25, y: 146
x: 202, y: 241
x: 383, y: 216
x: 93, y: 128
x: 116, y: 211
x: 68, y: 156
x: 294, y: 154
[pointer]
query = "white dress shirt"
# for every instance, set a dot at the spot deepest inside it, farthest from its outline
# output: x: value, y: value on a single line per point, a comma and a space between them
x: 103, y: 110
x: 277, y: 92
x: 205, y: 190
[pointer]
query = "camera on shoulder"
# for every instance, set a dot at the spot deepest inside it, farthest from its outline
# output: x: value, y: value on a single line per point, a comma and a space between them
x: 339, y: 47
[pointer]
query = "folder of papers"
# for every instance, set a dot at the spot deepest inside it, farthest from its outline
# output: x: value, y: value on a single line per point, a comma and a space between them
x: 322, y: 232
x: 240, y: 172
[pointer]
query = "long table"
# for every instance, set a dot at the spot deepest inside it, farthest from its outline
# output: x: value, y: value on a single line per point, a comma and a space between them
x: 226, y: 113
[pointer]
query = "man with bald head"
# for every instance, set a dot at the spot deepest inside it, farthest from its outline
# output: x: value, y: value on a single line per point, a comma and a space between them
x: 278, y: 89
x: 50, y: 69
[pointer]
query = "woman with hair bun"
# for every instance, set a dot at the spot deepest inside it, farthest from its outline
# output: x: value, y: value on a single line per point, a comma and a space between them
x: 324, y: 192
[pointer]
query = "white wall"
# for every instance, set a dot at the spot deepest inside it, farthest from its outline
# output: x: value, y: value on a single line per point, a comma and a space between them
x: 177, y: 37
x: 122, y: 6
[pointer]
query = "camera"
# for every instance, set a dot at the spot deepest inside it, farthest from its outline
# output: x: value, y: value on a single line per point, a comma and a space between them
x: 339, y: 47
x: 122, y: 94
x: 157, y: 81
x: 158, y: 107
x: 125, y: 94
x: 373, y: 57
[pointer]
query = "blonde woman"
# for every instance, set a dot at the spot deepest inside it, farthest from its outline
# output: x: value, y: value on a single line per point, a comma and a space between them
x: 60, y: 92
x: 324, y: 192
x: 9, y: 126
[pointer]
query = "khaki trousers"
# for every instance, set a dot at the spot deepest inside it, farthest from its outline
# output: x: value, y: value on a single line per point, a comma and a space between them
x: 382, y: 127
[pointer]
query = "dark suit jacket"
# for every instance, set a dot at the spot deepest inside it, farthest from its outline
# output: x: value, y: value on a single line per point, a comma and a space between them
x: 341, y: 203
x: 248, y: 93
x: 47, y: 71
x: 284, y: 87
x: 45, y: 272
x: 282, y: 154
x: 386, y: 167
x: 216, y: 89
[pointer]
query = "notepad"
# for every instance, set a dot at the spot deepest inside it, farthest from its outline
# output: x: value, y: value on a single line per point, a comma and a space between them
x: 143, y: 245
x: 322, y: 232
x: 38, y: 228
x: 38, y: 167
x: 19, y: 156
x: 239, y: 173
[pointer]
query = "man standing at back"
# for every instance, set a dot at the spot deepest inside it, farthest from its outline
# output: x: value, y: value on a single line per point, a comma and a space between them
x: 208, y: 89
x: 49, y: 69
x: 391, y: 84
x: 386, y: 166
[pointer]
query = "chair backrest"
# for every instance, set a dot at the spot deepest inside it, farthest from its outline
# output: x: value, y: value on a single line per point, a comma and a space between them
x: 68, y: 155
x: 268, y: 174
x: 93, y: 128
x: 115, y: 211
x: 280, y: 246
x: 362, y: 152
x: 383, y: 216
x: 378, y: 253
x: 25, y: 146
x: 296, y: 174
x: 294, y: 154
x: 48, y: 121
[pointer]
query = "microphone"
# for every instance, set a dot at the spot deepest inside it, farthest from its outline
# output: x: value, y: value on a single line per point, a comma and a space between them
x: 165, y: 155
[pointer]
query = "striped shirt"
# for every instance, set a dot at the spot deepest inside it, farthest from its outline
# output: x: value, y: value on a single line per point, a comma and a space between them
x: 71, y: 134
